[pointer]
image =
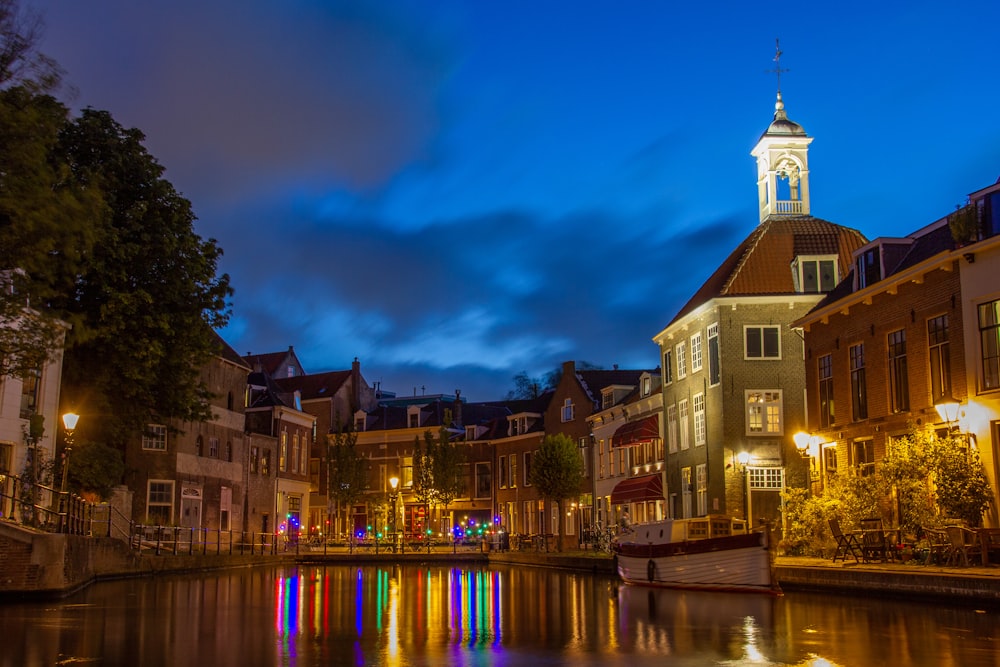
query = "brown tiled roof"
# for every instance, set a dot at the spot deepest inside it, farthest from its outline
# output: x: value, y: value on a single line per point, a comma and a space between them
x: 268, y: 362
x: 226, y: 352
x: 760, y: 265
x: 316, y: 385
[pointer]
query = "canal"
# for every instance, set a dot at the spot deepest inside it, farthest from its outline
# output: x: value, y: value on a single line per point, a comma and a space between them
x: 435, y: 615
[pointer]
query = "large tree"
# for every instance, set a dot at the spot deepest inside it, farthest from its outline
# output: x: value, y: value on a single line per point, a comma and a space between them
x: 557, y: 472
x: 348, y: 471
x: 147, y: 298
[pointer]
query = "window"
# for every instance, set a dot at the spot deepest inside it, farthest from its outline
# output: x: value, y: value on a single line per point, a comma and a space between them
x: 160, y: 502
x: 714, y: 369
x: 199, y: 446
x: 254, y: 459
x: 600, y: 459
x: 583, y: 456
x: 681, y: 350
x: 701, y: 479
x: 31, y: 383
x: 863, y: 457
x: 265, y: 463
x: 764, y: 412
x: 155, y: 437
x: 869, y: 268
x: 682, y: 409
x: 568, y: 410
x: 762, y: 342
x: 512, y: 460
x: 607, y: 399
x: 672, y: 428
x: 283, y: 453
x: 989, y: 342
x: 859, y: 386
x: 766, y: 478
x: 484, y: 481
x: 213, y: 447
x: 296, y: 452
x: 527, y: 468
x: 686, y: 493
x: 830, y: 460
x: 815, y: 274
x: 6, y: 453
x: 502, y: 469
x: 696, y: 363
x: 668, y: 366
x: 647, y: 386
x: 940, y: 359
x: 699, y: 419
x: 229, y: 450
x: 899, y: 391
x: 826, y: 415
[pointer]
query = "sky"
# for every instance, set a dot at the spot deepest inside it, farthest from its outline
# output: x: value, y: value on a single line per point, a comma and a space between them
x: 456, y: 192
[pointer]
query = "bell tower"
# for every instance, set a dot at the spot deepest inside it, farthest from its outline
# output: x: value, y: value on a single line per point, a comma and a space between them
x: 782, y: 154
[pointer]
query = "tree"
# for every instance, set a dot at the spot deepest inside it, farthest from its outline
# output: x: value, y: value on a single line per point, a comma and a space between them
x: 525, y: 387
x: 96, y: 468
x: 145, y: 301
x: 963, y: 491
x: 348, y: 471
x: 557, y: 471
x: 21, y: 64
x: 438, y: 468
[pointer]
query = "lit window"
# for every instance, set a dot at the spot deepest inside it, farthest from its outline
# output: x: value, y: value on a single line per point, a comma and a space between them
x: 826, y: 415
x: 989, y: 341
x: 764, y: 410
x: 681, y: 350
x: 683, y: 418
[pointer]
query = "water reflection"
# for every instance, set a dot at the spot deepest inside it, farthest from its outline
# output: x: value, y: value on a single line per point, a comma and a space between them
x: 400, y: 616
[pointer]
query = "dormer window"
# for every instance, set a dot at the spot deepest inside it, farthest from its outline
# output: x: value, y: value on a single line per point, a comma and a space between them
x: 413, y: 416
x: 298, y: 400
x: 470, y: 433
x: 868, y: 267
x: 360, y: 420
x: 607, y: 398
x: 646, y: 386
x: 815, y: 273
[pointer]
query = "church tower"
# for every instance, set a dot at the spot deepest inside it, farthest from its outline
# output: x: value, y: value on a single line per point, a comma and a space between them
x: 782, y: 154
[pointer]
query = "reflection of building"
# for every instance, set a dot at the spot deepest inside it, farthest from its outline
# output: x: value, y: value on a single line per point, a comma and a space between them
x: 917, y: 321
x: 732, y: 367
x: 192, y: 474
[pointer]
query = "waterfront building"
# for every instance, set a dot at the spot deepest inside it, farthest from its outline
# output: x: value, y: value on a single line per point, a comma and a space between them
x: 732, y: 372
x: 915, y: 324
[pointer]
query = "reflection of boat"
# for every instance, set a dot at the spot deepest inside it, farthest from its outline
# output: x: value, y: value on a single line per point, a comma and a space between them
x: 692, y: 609
x: 711, y: 553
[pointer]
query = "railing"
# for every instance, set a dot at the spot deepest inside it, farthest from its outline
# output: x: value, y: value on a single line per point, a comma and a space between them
x: 24, y: 502
x: 178, y: 541
x: 788, y: 207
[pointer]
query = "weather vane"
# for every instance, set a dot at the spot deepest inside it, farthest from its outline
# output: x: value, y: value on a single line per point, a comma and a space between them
x: 777, y: 62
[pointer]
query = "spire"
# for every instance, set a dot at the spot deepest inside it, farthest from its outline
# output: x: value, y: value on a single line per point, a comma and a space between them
x: 782, y: 154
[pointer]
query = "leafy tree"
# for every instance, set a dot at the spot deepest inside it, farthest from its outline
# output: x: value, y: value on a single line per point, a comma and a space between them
x: 557, y: 471
x: 438, y: 468
x: 348, y: 471
x: 96, y: 468
x: 963, y: 491
x: 145, y: 302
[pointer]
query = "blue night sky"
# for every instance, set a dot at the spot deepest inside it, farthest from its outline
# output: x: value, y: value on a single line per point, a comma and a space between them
x: 458, y: 191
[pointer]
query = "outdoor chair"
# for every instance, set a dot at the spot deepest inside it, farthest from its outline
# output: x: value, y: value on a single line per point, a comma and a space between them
x: 847, y: 543
x: 873, y: 541
x: 962, y: 545
x: 937, y: 545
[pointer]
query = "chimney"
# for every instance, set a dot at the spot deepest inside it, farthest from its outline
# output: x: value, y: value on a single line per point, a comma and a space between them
x: 458, y: 408
x: 356, y: 384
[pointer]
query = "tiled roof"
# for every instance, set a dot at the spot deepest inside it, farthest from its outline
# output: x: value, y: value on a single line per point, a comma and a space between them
x: 316, y: 385
x: 269, y: 362
x: 594, y: 381
x: 760, y: 265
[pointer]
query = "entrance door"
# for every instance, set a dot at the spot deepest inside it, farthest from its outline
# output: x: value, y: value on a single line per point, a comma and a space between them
x: 191, y: 512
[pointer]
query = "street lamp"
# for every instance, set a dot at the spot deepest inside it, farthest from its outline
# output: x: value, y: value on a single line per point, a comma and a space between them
x: 808, y: 446
x: 394, y: 496
x: 947, y: 407
x: 69, y: 422
x: 743, y: 458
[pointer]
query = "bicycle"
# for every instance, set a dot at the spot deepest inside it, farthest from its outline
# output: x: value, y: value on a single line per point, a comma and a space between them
x: 603, y: 537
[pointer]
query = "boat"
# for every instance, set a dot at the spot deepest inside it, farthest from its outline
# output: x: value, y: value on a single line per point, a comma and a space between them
x: 712, y: 552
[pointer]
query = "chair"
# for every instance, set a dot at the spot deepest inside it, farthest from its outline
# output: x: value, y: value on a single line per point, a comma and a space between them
x: 989, y: 542
x: 962, y: 545
x: 847, y: 543
x: 937, y: 545
x: 873, y: 541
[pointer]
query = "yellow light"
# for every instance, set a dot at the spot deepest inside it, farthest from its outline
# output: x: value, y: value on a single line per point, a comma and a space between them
x: 69, y: 420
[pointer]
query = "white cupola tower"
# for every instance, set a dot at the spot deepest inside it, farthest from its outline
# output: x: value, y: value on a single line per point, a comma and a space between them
x: 782, y: 154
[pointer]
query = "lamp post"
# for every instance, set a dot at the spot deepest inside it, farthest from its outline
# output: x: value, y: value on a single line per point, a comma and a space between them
x: 808, y: 446
x: 744, y: 459
x: 948, y: 408
x: 393, y: 497
x: 69, y: 423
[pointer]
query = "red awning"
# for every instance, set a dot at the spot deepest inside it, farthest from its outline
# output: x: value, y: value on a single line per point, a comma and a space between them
x: 644, y: 487
x: 637, y: 433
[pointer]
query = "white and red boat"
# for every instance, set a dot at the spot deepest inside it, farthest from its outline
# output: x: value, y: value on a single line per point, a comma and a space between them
x: 706, y: 553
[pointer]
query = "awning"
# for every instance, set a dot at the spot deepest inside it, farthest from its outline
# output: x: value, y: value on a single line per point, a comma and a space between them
x: 634, y: 489
x: 638, y: 432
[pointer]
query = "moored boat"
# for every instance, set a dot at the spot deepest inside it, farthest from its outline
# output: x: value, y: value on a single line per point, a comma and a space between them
x: 706, y: 553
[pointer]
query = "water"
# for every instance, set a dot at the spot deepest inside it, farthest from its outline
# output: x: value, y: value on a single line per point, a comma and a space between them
x: 403, y: 615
